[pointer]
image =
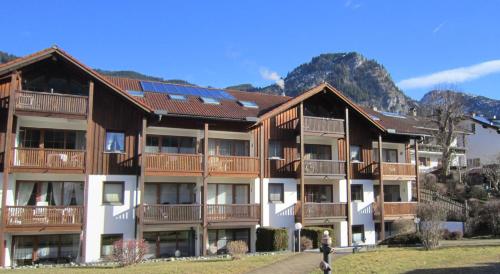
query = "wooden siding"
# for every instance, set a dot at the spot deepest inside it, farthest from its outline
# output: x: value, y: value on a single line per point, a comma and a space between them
x: 282, y: 127
x: 44, y: 216
x: 112, y: 112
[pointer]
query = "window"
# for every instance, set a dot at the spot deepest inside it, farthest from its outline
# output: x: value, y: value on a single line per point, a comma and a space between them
x: 424, y: 161
x: 317, y: 152
x: 224, y: 194
x: 30, y: 193
x: 107, y: 242
x: 318, y: 193
x: 355, y: 153
x: 218, y: 239
x: 171, y: 144
x: 169, y: 193
x: 358, y: 233
x: 115, y: 142
x: 209, y: 100
x: 228, y: 147
x: 177, y: 97
x: 275, y: 150
x: 276, y: 193
x: 357, y: 193
x: 29, y: 137
x: 248, y: 104
x: 390, y: 155
x: 112, y: 193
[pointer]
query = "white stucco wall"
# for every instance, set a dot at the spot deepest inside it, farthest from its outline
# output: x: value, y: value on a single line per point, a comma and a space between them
x: 484, y: 144
x: 109, y: 219
x: 362, y: 212
x: 281, y: 214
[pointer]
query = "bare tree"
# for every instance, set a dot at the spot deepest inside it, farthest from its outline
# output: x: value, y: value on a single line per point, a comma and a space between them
x: 445, y: 112
x: 431, y: 218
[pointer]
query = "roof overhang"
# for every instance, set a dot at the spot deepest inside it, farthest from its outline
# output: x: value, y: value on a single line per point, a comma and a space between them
x: 49, y: 52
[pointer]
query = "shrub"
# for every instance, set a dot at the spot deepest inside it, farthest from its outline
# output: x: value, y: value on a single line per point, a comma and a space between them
x: 129, y: 252
x: 305, y: 243
x: 315, y: 234
x: 454, y: 235
x: 271, y: 239
x: 403, y: 240
x: 431, y: 217
x: 237, y: 248
x: 403, y: 227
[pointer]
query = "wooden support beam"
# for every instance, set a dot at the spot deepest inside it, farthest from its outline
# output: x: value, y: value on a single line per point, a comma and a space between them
x: 381, y: 183
x: 89, y: 143
x: 302, y: 155
x: 348, y: 177
x: 261, y: 173
x: 417, y: 183
x: 205, y: 189
x: 142, y: 178
x: 14, y: 84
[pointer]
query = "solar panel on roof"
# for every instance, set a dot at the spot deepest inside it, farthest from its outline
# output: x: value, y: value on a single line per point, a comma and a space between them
x: 186, y: 90
x: 392, y: 114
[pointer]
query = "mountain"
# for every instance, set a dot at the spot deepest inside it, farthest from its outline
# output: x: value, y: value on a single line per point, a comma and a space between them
x: 472, y: 103
x: 6, y: 57
x: 364, y: 81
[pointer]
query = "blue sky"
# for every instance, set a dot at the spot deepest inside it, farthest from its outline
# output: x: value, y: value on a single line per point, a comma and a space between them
x: 221, y: 43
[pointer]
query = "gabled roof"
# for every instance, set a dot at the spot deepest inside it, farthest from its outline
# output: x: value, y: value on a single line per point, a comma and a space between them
x: 46, y: 53
x: 194, y: 107
x: 320, y: 88
x: 492, y: 123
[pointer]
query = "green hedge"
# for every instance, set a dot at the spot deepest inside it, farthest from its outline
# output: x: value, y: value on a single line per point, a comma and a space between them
x: 316, y: 233
x: 271, y: 239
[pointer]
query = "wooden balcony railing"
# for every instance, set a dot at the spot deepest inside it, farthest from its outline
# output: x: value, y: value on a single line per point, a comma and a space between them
x: 396, y: 209
x: 159, y: 214
x: 323, y: 210
x: 398, y: 169
x: 51, y: 102
x: 324, y: 167
x: 233, y: 212
x: 168, y: 162
x: 233, y: 165
x: 44, y: 215
x: 48, y: 158
x: 322, y: 125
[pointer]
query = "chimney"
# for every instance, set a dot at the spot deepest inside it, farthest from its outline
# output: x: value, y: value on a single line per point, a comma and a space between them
x: 413, y: 111
x: 375, y: 108
x: 473, y: 114
x: 494, y: 117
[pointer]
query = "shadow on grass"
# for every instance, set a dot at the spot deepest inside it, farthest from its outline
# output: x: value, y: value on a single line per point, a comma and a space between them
x: 482, y: 268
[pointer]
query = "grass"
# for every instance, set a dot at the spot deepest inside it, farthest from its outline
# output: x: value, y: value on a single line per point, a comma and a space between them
x: 401, y: 260
x: 225, y: 266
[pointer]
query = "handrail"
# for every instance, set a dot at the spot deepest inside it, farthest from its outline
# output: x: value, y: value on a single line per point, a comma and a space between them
x: 44, y: 215
x: 48, y: 158
x: 51, y: 102
x: 233, y: 212
x: 171, y: 213
x: 158, y: 161
x: 233, y: 164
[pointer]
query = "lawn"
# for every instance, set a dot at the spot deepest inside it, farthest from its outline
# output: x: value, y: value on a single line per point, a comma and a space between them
x: 400, y: 260
x: 177, y: 267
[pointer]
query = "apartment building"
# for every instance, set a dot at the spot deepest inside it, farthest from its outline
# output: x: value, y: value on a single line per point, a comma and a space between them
x: 90, y: 159
x: 484, y: 131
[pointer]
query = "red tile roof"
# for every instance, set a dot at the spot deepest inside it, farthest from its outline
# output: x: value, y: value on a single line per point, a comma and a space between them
x: 227, y: 109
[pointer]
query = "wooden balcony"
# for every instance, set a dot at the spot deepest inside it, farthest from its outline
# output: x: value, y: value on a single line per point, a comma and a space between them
x: 173, y: 164
x: 51, y: 104
x: 324, y: 126
x: 234, y: 213
x: 233, y: 166
x: 396, y: 210
x: 324, y: 168
x: 36, y: 218
x: 398, y: 171
x: 321, y: 213
x: 171, y: 214
x: 43, y: 160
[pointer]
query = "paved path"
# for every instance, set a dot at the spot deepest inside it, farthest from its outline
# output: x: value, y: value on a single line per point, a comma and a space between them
x: 302, y: 263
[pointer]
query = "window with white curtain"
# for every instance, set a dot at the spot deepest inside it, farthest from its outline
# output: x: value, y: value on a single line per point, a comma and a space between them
x: 49, y: 193
x: 276, y: 192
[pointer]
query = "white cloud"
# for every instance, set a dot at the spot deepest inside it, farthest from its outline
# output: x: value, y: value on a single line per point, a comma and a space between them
x: 452, y: 76
x: 350, y: 4
x: 438, y: 28
x: 273, y: 76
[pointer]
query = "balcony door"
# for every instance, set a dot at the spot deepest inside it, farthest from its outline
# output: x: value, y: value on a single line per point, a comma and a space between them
x: 51, y: 138
x: 317, y: 152
x: 226, y: 194
x: 30, y: 193
x: 228, y: 147
x: 389, y: 155
x: 171, y: 144
x: 391, y: 193
x: 169, y: 193
x: 318, y: 193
